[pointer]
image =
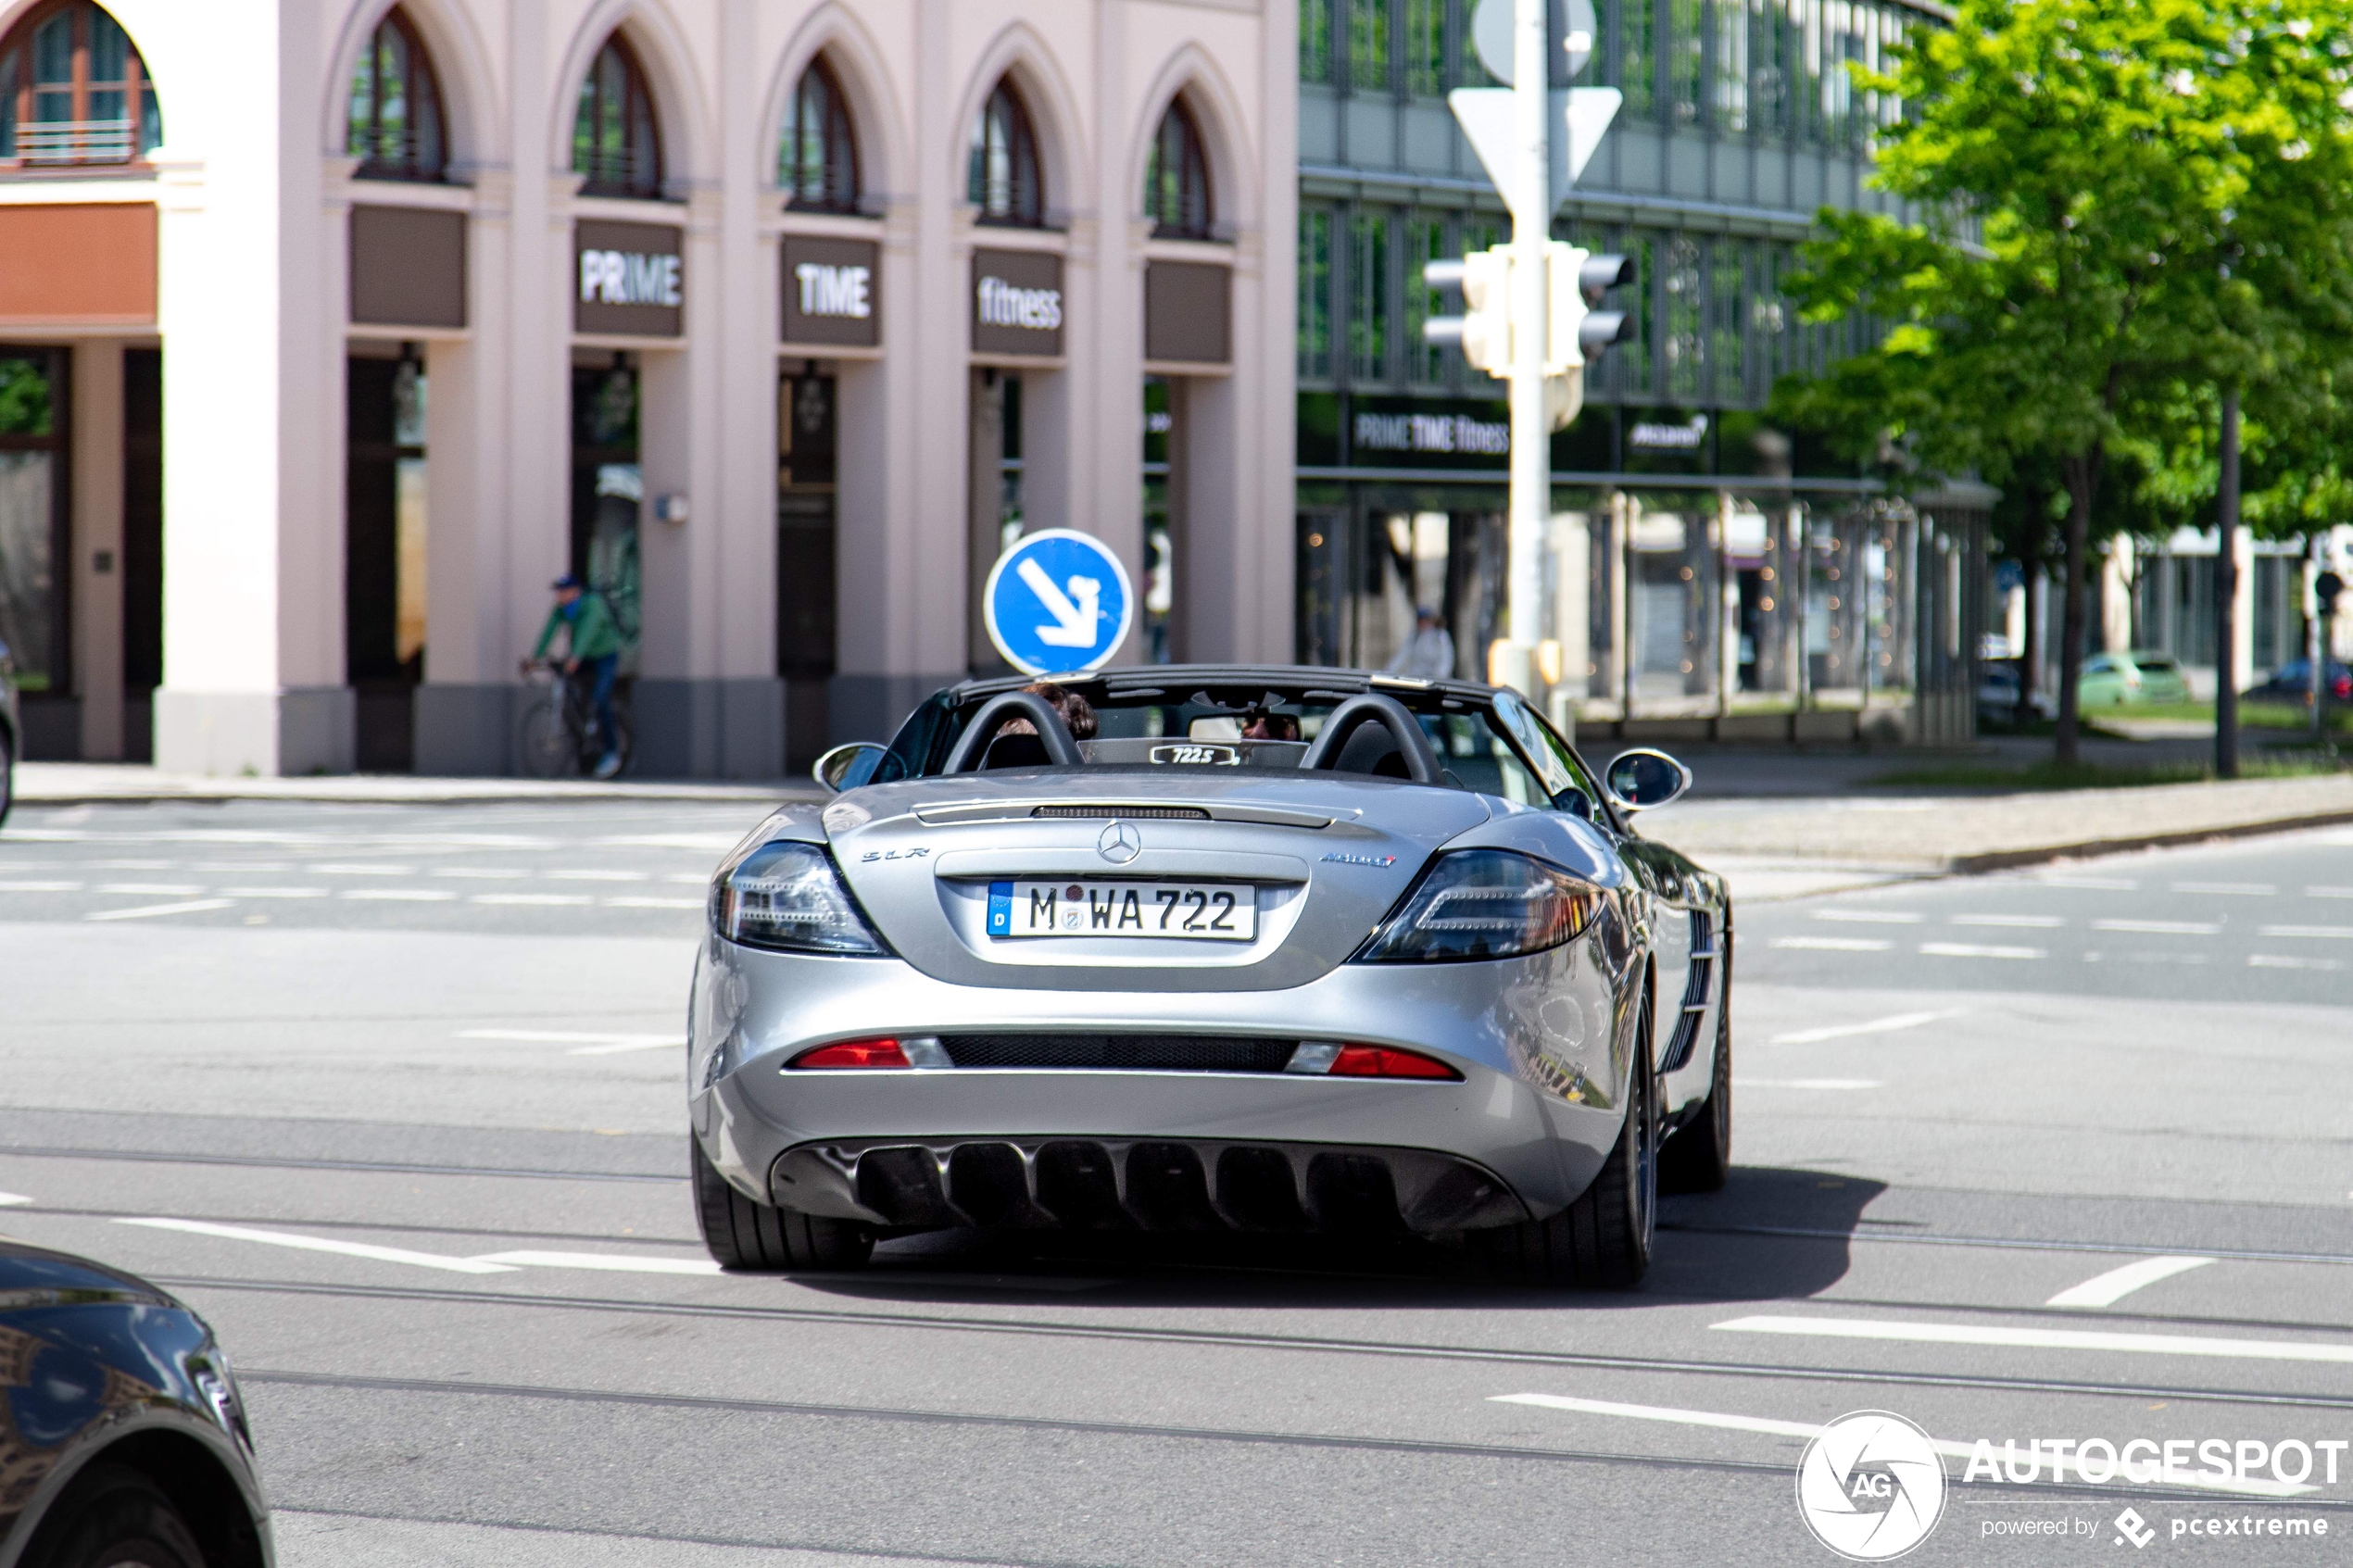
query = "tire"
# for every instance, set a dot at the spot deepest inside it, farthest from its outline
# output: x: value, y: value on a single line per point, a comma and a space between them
x: 1699, y: 1156
x: 114, y: 1517
x: 545, y: 743
x: 761, y: 1238
x: 1602, y: 1240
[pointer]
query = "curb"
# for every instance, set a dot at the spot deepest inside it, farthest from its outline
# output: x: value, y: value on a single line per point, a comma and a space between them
x: 2006, y: 859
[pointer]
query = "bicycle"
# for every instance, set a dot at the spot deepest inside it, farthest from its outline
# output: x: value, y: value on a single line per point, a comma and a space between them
x: 557, y: 736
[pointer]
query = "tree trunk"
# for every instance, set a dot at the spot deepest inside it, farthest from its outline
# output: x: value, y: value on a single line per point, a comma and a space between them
x: 2082, y: 478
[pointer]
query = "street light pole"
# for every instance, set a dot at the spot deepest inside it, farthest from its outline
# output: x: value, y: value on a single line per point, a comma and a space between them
x: 1531, y: 199
x: 2226, y: 594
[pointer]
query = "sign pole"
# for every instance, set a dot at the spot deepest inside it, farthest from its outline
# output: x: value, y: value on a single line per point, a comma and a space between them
x: 1530, y: 198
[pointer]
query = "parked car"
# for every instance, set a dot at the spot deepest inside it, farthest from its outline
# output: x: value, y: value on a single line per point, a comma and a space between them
x: 1259, y: 948
x: 2292, y: 682
x: 1997, y: 695
x: 122, y: 1437
x: 11, y: 726
x: 2140, y: 678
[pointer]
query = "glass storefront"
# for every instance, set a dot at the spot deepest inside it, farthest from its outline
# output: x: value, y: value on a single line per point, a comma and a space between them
x: 34, y: 584
x: 806, y: 520
x: 607, y: 488
x: 384, y: 552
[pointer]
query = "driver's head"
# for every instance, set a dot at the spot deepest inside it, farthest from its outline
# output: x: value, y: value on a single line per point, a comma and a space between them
x: 1078, y: 714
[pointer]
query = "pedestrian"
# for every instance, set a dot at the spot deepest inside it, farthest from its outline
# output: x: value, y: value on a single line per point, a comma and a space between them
x: 592, y: 643
x: 1429, y: 654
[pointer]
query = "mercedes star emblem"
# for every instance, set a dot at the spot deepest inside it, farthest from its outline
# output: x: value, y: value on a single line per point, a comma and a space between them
x: 1120, y: 842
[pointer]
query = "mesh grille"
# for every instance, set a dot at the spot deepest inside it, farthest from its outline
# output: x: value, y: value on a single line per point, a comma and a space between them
x: 1160, y: 1053
x: 1128, y: 814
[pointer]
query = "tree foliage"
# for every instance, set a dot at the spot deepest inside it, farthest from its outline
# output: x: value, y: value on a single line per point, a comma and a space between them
x: 2109, y: 209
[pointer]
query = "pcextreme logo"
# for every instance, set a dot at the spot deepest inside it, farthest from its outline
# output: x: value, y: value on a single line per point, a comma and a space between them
x: 1870, y: 1486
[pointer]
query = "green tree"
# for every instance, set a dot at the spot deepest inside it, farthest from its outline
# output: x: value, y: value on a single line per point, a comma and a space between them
x: 2118, y: 199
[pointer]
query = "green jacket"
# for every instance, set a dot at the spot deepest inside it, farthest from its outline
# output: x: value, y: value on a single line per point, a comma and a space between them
x: 594, y: 635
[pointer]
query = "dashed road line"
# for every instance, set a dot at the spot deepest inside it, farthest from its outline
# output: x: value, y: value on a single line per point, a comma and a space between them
x: 152, y: 889
x: 11, y: 1199
x: 276, y: 892
x: 2039, y: 922
x: 1834, y: 944
x: 544, y: 899
x: 2093, y: 884
x: 2280, y: 961
x: 1871, y: 1026
x: 2321, y: 933
x: 2161, y: 927
x: 1977, y: 950
x: 2202, y: 1346
x: 40, y: 887
x: 607, y: 1262
x: 400, y: 895
x: 2108, y: 1289
x: 144, y: 911
x: 2229, y: 889
x: 634, y: 903
x: 1875, y: 916
x: 1828, y: 1084
x: 323, y: 1244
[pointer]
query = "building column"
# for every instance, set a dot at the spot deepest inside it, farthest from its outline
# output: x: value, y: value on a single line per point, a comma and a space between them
x: 96, y: 560
x: 250, y: 303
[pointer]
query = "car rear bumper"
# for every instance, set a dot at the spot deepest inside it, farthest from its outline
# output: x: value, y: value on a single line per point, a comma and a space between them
x: 1543, y: 1044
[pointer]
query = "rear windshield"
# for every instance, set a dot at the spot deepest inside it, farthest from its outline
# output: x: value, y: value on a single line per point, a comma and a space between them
x: 1496, y: 749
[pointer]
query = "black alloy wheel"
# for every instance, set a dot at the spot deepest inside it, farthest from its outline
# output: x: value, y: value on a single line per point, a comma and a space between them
x: 761, y: 1238
x: 1699, y: 1156
x: 1602, y: 1240
x: 114, y: 1517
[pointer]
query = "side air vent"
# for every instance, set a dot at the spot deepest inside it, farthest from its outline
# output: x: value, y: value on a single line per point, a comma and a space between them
x: 1687, y: 1021
x: 1123, y: 813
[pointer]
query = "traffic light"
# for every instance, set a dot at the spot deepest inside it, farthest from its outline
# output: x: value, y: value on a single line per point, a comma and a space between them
x: 1574, y: 281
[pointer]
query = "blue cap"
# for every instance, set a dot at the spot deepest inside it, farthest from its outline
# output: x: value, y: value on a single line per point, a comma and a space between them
x: 566, y: 581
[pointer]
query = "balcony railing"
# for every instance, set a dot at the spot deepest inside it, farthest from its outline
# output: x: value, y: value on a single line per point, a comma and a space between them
x: 74, y: 141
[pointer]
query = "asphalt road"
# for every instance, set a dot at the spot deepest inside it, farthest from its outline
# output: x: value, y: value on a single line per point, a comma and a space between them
x: 391, y: 1094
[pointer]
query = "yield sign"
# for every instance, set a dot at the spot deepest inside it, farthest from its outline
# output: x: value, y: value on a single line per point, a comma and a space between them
x: 1584, y: 113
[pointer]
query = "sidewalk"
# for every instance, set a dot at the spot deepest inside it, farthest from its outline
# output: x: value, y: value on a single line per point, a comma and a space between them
x: 90, y: 784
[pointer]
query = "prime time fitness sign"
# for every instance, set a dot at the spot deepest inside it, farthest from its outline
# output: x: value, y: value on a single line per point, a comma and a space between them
x: 629, y: 279
x: 1017, y: 303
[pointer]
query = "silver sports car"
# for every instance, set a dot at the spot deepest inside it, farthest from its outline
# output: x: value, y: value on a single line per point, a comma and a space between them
x: 1200, y: 948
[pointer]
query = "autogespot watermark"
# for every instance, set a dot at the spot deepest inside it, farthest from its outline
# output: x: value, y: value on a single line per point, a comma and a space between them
x: 1871, y: 1486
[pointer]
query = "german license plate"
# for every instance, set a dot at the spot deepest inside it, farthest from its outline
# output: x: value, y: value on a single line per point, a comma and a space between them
x: 1200, y: 912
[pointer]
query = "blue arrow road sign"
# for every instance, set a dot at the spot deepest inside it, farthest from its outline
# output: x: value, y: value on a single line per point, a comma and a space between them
x: 1057, y: 603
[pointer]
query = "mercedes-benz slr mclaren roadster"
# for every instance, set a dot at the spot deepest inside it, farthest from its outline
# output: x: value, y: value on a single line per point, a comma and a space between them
x: 1202, y: 948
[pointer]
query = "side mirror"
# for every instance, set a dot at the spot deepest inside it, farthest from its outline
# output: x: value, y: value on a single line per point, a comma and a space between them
x: 1641, y: 779
x: 846, y: 767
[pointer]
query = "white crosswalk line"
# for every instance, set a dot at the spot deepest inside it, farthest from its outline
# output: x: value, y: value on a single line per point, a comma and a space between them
x: 323, y: 1244
x: 2046, y: 1338
x: 2108, y: 1289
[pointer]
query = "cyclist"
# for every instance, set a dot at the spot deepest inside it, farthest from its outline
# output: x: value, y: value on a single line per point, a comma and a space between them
x: 592, y: 642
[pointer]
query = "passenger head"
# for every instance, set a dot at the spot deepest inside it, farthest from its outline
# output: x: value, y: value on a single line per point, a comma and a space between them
x: 1269, y: 724
x: 1077, y: 713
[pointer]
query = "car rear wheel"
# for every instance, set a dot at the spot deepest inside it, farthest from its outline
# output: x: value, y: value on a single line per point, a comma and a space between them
x: 1699, y: 1156
x: 114, y: 1517
x: 743, y: 1234
x: 1602, y: 1240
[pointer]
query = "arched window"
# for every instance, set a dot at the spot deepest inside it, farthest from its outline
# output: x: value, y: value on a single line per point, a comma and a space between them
x: 1176, y: 178
x: 818, y: 163
x: 1004, y: 182
x: 614, y: 141
x: 72, y: 90
x: 396, y: 106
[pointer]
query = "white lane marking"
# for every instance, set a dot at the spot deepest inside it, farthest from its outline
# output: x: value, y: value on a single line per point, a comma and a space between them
x: 695, y: 879
x: 155, y: 889
x: 542, y: 898
x: 2108, y: 1289
x: 1976, y: 950
x: 476, y: 871
x: 651, y: 903
x: 651, y: 1042
x: 346, y: 868
x: 2160, y: 927
x: 1874, y: 1027
x: 1874, y: 917
x: 196, y: 907
x: 2096, y: 883
x: 400, y: 895
x: 603, y: 1260
x: 247, y: 867
x: 2325, y: 932
x: 322, y: 1243
x: 276, y: 892
x: 40, y: 887
x: 2278, y: 961
x: 10, y: 1199
x: 2328, y: 893
x: 133, y: 865
x: 2040, y: 923
x: 1807, y: 1084
x: 570, y: 1037
x: 1835, y: 944
x: 1767, y: 1426
x: 2045, y: 1339
x: 598, y: 876
x: 673, y: 840
x: 2232, y: 889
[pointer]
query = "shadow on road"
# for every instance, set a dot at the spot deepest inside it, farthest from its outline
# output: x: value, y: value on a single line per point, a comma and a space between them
x: 1771, y: 1235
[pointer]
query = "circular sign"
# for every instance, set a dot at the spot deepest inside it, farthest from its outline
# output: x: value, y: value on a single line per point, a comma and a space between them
x: 1870, y: 1486
x: 1057, y: 603
x: 1569, y: 25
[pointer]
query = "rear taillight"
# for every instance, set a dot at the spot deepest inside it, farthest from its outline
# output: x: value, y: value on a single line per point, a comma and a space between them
x: 854, y: 1053
x: 1387, y: 1061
